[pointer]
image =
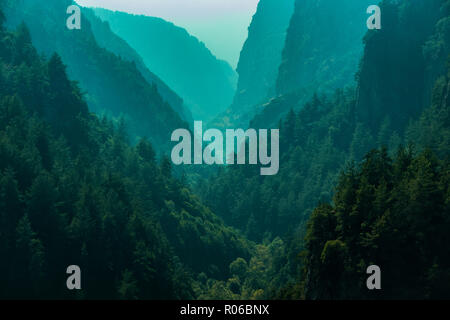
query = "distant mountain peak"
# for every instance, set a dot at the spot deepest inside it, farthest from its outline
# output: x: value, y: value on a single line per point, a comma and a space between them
x: 205, y: 83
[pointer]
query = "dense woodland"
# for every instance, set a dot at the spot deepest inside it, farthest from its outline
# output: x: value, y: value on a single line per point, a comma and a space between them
x: 72, y: 189
x: 364, y: 179
x: 389, y: 111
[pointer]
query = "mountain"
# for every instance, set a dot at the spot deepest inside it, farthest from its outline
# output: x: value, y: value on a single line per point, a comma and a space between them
x: 74, y: 191
x: 321, y: 53
x: 386, y: 92
x: 390, y: 202
x: 113, y: 43
x: 332, y: 130
x: 323, y: 44
x: 398, y: 199
x: 105, y: 78
x: 206, y: 84
x: 364, y: 178
x: 259, y: 62
x: 348, y: 193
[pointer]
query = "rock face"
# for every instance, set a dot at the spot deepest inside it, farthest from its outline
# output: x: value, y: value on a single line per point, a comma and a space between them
x: 260, y: 58
x: 323, y: 47
x: 323, y: 44
x: 414, y: 37
x: 206, y: 84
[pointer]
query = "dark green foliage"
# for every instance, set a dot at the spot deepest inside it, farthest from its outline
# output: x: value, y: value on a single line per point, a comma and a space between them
x: 313, y: 147
x: 392, y: 213
x: 328, y: 132
x: 433, y: 127
x: 327, y: 135
x: 73, y: 191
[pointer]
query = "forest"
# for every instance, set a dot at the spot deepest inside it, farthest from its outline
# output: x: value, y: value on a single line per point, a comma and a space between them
x: 364, y: 162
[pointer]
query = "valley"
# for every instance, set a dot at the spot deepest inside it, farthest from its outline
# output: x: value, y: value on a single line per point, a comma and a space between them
x: 100, y: 126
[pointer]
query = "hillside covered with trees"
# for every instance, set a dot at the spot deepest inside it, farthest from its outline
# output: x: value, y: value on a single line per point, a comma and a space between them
x: 72, y: 189
x: 107, y: 76
x: 379, y: 202
x: 364, y: 166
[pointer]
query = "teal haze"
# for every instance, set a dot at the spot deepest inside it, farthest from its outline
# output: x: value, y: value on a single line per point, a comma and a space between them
x: 206, y: 84
x: 220, y: 24
x: 87, y: 175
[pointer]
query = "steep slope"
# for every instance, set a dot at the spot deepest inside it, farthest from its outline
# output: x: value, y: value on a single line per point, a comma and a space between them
x: 206, y: 84
x: 400, y: 66
x: 390, y: 206
x: 73, y: 191
x: 113, y: 43
x: 387, y: 204
x: 323, y: 44
x: 259, y: 61
x: 322, y: 50
x: 107, y: 80
x: 330, y: 131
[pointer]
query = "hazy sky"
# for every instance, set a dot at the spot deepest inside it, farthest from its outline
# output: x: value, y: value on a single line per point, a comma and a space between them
x: 220, y: 24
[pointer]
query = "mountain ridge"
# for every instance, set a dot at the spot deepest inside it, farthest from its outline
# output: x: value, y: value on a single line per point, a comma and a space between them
x: 259, y: 62
x: 206, y: 83
x: 105, y: 78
